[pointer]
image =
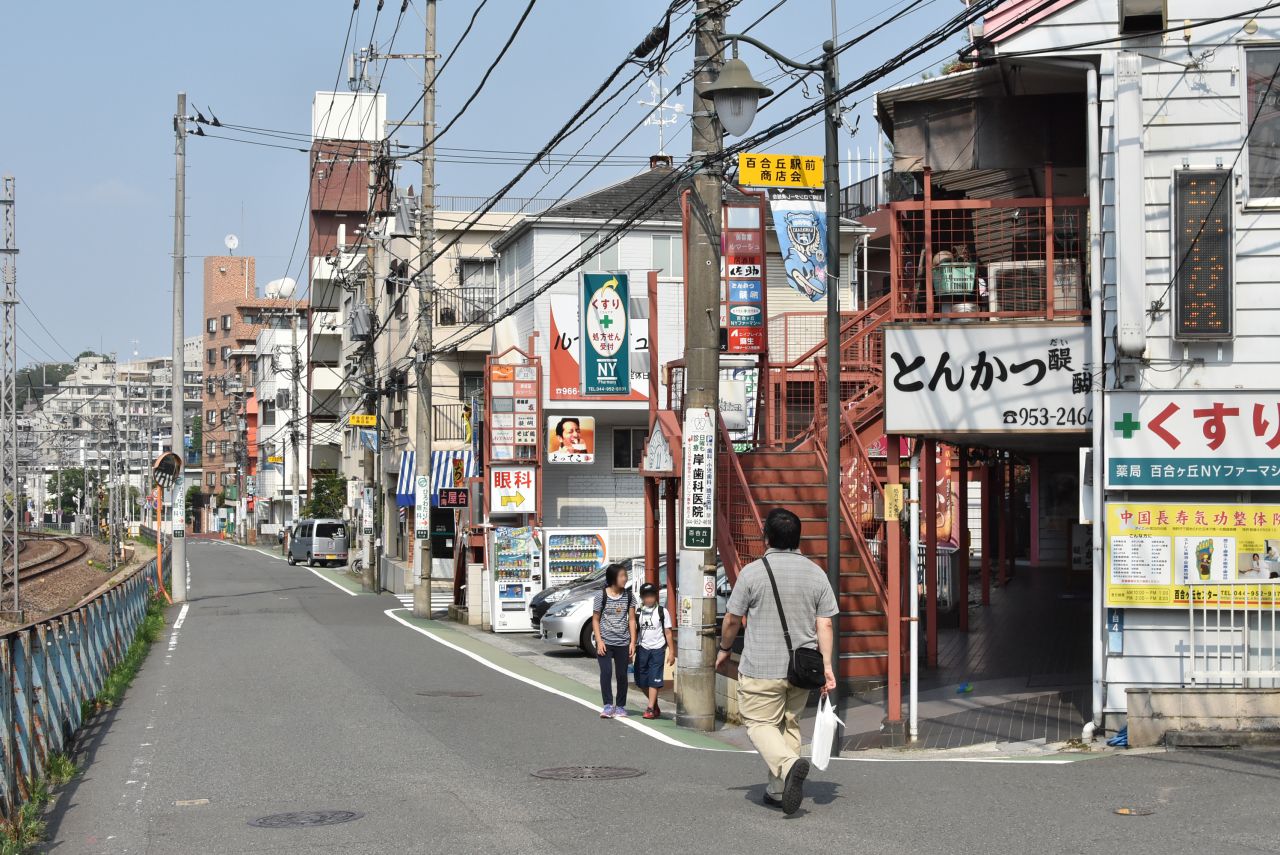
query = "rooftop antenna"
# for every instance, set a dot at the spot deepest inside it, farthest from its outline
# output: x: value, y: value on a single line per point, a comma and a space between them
x: 662, y: 112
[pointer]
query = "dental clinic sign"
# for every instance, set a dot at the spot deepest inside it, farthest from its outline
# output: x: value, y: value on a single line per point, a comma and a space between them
x: 1193, y: 439
x: 606, y: 366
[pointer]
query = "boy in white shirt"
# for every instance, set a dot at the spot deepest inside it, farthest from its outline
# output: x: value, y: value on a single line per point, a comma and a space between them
x: 655, y: 638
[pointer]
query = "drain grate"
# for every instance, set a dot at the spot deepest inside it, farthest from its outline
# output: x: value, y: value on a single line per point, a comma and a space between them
x: 588, y: 773
x: 306, y: 818
x: 449, y: 693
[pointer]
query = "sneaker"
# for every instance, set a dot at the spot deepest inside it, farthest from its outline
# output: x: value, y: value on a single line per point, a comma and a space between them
x: 620, y: 712
x: 657, y: 713
x: 650, y: 712
x: 793, y: 790
x: 607, y: 712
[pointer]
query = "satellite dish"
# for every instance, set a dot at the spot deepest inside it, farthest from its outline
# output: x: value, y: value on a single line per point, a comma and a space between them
x: 281, y: 288
x: 232, y: 242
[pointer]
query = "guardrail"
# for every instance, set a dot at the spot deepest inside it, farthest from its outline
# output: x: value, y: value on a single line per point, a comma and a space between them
x: 1234, y: 634
x: 50, y: 668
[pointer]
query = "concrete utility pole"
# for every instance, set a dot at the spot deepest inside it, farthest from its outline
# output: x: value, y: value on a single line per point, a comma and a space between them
x: 295, y: 466
x: 696, y: 701
x: 10, y: 513
x: 178, y: 555
x: 372, y: 479
x: 423, y: 553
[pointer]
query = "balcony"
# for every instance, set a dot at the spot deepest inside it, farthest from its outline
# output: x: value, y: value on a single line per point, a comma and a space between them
x: 1000, y: 258
x: 325, y: 379
x: 448, y: 424
x: 467, y: 305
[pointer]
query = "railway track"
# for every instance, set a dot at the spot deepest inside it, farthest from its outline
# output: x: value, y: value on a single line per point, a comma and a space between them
x: 67, y: 550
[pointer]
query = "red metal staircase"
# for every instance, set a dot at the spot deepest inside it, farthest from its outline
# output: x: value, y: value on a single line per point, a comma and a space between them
x: 790, y: 470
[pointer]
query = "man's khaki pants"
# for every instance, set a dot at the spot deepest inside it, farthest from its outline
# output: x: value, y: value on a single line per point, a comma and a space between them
x: 771, y: 711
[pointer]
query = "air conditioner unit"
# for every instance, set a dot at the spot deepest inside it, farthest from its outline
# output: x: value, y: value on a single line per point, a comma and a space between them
x: 1019, y: 286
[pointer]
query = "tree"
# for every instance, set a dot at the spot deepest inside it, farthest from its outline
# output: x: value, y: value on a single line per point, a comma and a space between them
x: 197, y: 433
x: 72, y: 482
x: 328, y: 497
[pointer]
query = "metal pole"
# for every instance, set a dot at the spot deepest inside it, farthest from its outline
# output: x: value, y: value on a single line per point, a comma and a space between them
x: 913, y: 594
x: 178, y: 559
x: 696, y: 701
x: 423, y: 553
x: 8, y: 384
x: 294, y: 432
x: 834, y: 406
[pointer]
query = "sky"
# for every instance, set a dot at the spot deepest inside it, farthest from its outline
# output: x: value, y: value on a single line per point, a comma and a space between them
x: 86, y: 126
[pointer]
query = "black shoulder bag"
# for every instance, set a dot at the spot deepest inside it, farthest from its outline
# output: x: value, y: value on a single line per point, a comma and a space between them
x: 804, y: 665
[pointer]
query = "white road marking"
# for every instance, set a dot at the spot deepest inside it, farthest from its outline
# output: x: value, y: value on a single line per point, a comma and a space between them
x: 664, y: 738
x: 311, y: 570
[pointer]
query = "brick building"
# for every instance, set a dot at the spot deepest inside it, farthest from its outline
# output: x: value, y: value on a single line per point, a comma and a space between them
x: 234, y: 314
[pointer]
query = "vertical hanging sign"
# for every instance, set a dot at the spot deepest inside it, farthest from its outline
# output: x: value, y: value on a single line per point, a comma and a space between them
x: 179, y: 507
x: 699, y: 477
x: 606, y: 367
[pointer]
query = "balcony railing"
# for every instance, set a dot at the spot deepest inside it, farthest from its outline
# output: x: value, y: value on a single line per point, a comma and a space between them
x: 448, y: 424
x: 965, y: 259
x: 462, y: 306
x: 872, y: 193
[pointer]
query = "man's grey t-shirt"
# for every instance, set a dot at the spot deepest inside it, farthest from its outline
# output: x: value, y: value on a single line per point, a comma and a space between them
x: 806, y: 596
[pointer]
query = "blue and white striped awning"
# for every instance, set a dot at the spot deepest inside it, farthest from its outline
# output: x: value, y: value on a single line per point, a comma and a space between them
x: 442, y: 470
x: 404, y: 482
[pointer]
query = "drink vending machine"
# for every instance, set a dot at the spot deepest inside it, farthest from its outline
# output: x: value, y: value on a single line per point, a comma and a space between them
x: 574, y: 553
x: 516, y: 574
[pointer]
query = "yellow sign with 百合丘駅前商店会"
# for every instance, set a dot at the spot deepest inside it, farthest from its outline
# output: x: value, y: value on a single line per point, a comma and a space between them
x: 1160, y: 555
x: 362, y: 420
x: 779, y: 170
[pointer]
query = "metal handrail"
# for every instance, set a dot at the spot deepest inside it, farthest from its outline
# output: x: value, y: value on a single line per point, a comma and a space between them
x: 740, y: 480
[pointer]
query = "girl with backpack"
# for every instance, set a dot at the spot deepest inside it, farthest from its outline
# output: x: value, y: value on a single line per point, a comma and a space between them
x: 613, y: 618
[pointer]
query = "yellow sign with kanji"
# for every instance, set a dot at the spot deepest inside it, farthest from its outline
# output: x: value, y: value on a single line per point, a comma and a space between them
x: 363, y: 420
x: 779, y: 170
x: 1160, y: 555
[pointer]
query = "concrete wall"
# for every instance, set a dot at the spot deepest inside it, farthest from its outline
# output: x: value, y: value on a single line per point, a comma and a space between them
x: 1153, y: 713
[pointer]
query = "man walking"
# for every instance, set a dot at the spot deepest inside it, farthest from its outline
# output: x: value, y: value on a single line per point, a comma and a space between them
x: 769, y: 704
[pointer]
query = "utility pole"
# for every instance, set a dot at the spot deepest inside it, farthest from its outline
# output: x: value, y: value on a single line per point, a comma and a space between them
x: 369, y: 580
x: 696, y: 701
x: 9, y: 389
x: 423, y: 553
x: 178, y: 552
x: 294, y: 432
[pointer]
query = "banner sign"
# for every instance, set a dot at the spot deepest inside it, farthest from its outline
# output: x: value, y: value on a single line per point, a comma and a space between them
x: 366, y: 515
x: 1155, y: 551
x: 699, y: 477
x: 362, y: 420
x: 179, y: 506
x: 421, y: 506
x: 779, y: 170
x: 565, y: 357
x: 513, y: 489
x: 571, y: 439
x: 987, y: 378
x: 1193, y: 439
x: 800, y: 221
x: 606, y: 305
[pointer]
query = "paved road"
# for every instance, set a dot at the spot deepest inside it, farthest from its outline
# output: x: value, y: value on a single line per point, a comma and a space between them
x: 280, y: 692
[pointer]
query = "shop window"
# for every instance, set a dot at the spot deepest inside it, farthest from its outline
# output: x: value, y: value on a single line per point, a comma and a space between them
x: 628, y: 448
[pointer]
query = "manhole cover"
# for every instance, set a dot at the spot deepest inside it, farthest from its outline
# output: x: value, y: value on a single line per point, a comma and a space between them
x: 444, y: 693
x: 1134, y: 811
x: 306, y: 818
x: 588, y: 773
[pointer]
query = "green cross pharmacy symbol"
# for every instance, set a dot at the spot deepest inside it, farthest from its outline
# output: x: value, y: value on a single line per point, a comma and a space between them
x: 1128, y: 426
x: 606, y: 321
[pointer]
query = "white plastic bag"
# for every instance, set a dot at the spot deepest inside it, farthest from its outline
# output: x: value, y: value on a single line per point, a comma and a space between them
x: 824, y: 732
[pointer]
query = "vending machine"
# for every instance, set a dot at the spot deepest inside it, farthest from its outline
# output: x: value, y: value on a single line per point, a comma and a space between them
x: 515, y: 575
x: 573, y: 553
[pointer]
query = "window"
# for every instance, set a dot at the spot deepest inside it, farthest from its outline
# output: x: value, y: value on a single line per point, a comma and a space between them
x: 1262, y: 118
x: 628, y: 448
x: 211, y: 324
x: 211, y: 418
x: 267, y: 413
x: 210, y: 448
x: 226, y: 353
x: 668, y: 256
x: 331, y: 530
x: 226, y: 323
x: 470, y: 384
x: 210, y: 479
x: 603, y: 261
x: 208, y: 386
x: 478, y: 272
x: 210, y: 356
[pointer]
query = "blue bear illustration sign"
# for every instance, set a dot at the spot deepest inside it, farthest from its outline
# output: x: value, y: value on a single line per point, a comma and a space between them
x: 800, y: 220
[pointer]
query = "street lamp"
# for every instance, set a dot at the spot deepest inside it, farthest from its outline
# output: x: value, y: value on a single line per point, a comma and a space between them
x: 736, y: 94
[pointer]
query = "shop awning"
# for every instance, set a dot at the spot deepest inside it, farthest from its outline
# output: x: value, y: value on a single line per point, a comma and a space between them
x: 450, y: 469
x: 404, y: 481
